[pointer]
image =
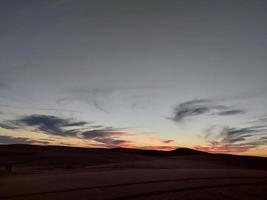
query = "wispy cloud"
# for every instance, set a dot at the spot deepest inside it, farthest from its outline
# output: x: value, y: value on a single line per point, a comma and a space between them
x: 231, y: 112
x: 98, y: 96
x: 114, y: 142
x: 14, y: 140
x: 8, y: 125
x: 19, y: 140
x: 233, y: 135
x: 92, y: 96
x: 167, y: 141
x: 235, y: 140
x: 98, y: 106
x: 56, y: 126
x: 199, y: 107
x: 95, y: 134
x: 46, y: 123
x: 107, y: 135
x: 37, y: 108
x: 101, y: 133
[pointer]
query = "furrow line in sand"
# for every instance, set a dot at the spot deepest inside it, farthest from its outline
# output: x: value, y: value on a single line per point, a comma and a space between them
x: 185, y: 189
x: 140, y: 183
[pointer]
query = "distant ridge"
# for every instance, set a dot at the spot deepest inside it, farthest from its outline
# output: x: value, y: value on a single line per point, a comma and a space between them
x: 178, y: 151
x: 187, y: 151
x: 56, y: 157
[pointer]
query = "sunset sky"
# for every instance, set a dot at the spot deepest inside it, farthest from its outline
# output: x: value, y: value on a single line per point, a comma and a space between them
x: 135, y: 73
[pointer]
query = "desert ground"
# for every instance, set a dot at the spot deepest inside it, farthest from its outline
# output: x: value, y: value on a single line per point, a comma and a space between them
x: 50, y: 172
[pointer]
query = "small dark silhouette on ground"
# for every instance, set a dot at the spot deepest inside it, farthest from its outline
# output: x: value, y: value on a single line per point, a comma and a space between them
x: 8, y: 168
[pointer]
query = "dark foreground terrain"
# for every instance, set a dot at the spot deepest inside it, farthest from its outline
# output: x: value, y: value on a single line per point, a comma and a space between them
x: 49, y: 172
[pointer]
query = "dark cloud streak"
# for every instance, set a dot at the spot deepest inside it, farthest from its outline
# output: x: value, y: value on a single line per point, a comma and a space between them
x: 57, y: 126
x: 231, y: 112
x: 235, y: 140
x: 46, y: 123
x: 14, y: 140
x: 37, y: 108
x: 201, y: 107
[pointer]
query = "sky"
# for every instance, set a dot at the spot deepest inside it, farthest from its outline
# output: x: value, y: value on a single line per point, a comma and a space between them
x: 144, y: 74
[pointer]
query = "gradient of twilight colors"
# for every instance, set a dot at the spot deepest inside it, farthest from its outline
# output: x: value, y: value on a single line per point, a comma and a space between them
x: 138, y: 74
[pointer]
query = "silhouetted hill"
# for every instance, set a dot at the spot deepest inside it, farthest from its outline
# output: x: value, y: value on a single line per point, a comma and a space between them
x: 40, y: 157
x: 178, y: 151
x: 187, y: 151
